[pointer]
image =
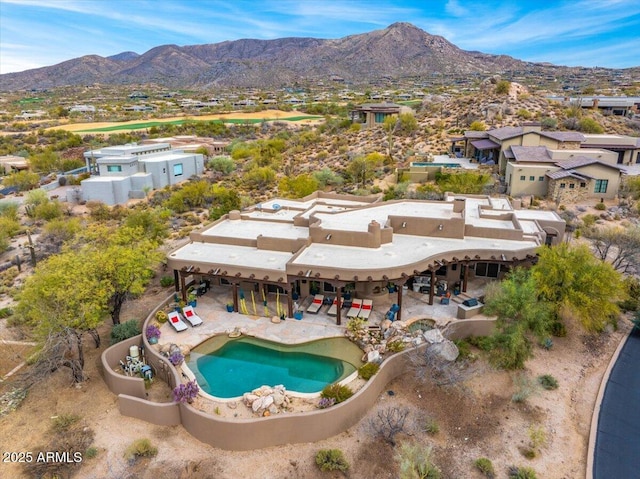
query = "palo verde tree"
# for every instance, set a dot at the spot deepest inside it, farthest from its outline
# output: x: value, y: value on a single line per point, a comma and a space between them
x: 123, y: 260
x: 578, y: 285
x: 62, y: 301
x: 618, y: 246
x: 521, y: 318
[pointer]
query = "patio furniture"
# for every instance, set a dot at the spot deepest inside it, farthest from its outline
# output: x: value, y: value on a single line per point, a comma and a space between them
x: 354, y: 311
x: 191, y: 316
x: 333, y: 309
x: 316, y: 304
x: 175, y: 321
x: 367, y: 307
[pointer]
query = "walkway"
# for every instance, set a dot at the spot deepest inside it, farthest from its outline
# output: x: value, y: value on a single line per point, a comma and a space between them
x: 617, y: 449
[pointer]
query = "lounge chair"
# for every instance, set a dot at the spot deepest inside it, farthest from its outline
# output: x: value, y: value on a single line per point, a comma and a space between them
x: 177, y: 323
x: 354, y: 310
x: 333, y: 309
x: 191, y: 316
x: 367, y: 306
x: 316, y: 304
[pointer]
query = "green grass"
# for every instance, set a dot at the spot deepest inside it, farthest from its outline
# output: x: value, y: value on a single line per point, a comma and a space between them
x: 149, y: 124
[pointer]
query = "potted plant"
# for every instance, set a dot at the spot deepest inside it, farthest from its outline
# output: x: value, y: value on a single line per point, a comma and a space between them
x: 230, y: 307
x: 179, y: 305
x: 192, y: 298
x: 153, y: 333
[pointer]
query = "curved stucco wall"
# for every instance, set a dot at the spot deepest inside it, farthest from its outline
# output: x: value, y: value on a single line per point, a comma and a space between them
x: 247, y: 434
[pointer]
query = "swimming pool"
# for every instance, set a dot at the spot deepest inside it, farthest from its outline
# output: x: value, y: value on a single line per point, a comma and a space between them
x: 445, y: 165
x: 227, y: 368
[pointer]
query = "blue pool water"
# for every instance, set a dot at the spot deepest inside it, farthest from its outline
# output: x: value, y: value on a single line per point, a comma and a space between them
x: 426, y: 163
x: 241, y: 365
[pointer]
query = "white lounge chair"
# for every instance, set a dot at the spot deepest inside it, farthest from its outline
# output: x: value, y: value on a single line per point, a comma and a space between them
x: 367, y: 307
x: 191, y: 316
x: 333, y: 309
x: 354, y: 311
x: 316, y: 304
x: 177, y: 323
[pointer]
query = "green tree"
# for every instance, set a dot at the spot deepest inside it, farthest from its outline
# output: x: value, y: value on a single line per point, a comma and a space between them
x: 465, y: 182
x: 579, y: 286
x: 64, y: 299
x: 225, y: 200
x: 259, y: 177
x: 326, y: 177
x: 520, y: 316
x: 298, y: 186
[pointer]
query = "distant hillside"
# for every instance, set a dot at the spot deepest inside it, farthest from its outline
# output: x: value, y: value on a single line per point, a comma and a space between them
x: 401, y: 50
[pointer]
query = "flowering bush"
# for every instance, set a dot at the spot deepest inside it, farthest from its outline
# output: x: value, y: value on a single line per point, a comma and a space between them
x: 186, y: 392
x: 176, y: 358
x: 326, y: 402
x: 153, y: 331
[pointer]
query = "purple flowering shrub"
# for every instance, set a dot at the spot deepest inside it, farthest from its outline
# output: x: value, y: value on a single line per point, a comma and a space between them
x: 186, y: 392
x: 176, y: 358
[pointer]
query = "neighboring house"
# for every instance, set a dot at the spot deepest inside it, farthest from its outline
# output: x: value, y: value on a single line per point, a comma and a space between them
x: 12, y: 164
x: 129, y: 171
x: 332, y: 244
x: 191, y: 143
x: 82, y: 109
x: 626, y: 147
x: 607, y: 105
x: 564, y: 175
x: 372, y: 114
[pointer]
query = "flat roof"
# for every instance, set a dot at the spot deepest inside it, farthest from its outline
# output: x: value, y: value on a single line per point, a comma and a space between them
x: 232, y: 255
x: 405, y: 250
x: 252, y: 229
x: 358, y: 220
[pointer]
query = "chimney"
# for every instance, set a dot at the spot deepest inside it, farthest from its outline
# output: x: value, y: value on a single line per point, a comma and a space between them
x: 531, y: 126
x: 459, y: 204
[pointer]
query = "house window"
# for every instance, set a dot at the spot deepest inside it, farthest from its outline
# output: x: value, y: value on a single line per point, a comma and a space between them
x: 572, y: 186
x: 489, y: 270
x: 114, y: 168
x: 583, y: 184
x: 563, y: 185
x: 379, y: 117
x: 601, y: 186
x: 177, y: 169
x: 532, y: 178
x: 522, y: 178
x: 540, y: 178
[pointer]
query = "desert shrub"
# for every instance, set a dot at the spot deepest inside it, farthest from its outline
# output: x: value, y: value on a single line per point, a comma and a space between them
x: 162, y: 317
x: 91, y: 452
x: 167, y: 281
x: 395, y: 346
x: 415, y: 461
x: 368, y: 370
x: 464, y: 350
x: 62, y: 422
x: 516, y: 472
x: 600, y: 206
x: 49, y: 210
x: 339, y: 392
x: 176, y: 358
x: 524, y: 114
x: 186, y: 392
x: 223, y: 164
x: 140, y: 448
x: 125, y: 330
x: 68, y: 434
x: 485, y: 466
x: 549, y: 123
x: 5, y: 312
x: 502, y: 87
x: 525, y: 387
x: 589, y: 220
x: 431, y: 426
x: 331, y: 460
x: 589, y: 125
x: 537, y: 438
x: 324, y: 403
x: 548, y: 382
x: 558, y: 329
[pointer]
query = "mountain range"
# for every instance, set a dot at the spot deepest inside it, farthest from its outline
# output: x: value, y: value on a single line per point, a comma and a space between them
x: 398, y: 51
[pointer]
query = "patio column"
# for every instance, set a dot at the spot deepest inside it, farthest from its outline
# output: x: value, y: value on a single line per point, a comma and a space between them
x: 289, y: 301
x: 465, y: 278
x: 176, y: 280
x: 399, y: 314
x: 432, y: 286
x: 339, y: 306
x: 183, y: 288
x: 235, y: 297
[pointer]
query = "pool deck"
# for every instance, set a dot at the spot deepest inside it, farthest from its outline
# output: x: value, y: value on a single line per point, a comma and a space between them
x: 216, y: 320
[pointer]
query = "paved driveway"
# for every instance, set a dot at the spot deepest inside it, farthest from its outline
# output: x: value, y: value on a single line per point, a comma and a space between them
x: 617, y: 450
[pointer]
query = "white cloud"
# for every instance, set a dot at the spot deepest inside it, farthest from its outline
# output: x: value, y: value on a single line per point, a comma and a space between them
x: 455, y: 9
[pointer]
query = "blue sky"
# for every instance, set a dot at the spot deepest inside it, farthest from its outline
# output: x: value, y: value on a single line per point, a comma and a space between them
x: 35, y: 33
